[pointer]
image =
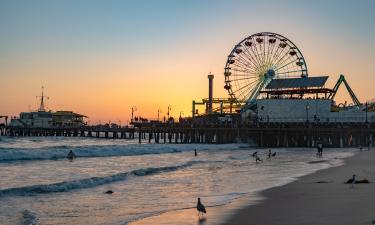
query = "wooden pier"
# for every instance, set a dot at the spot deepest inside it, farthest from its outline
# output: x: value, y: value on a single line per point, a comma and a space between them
x: 261, y: 135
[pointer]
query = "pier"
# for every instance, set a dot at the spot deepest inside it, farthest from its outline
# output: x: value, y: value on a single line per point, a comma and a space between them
x: 257, y: 135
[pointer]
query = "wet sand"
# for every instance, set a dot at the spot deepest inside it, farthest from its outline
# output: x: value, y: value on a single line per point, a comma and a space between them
x: 318, y: 198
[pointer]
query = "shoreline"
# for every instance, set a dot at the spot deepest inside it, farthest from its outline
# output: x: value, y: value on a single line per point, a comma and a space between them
x: 306, y: 202
x: 227, y: 213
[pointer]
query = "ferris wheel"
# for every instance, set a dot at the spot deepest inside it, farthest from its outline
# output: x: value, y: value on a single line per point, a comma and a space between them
x: 258, y: 59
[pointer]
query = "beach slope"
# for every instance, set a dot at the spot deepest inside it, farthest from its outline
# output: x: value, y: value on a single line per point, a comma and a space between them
x: 318, y: 198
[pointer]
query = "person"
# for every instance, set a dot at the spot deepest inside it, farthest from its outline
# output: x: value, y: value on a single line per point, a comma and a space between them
x: 71, y: 155
x: 369, y: 145
x: 195, y: 152
x: 320, y: 149
x: 269, y: 154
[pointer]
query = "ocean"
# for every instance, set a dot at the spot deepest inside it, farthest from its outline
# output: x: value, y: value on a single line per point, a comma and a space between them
x: 38, y: 185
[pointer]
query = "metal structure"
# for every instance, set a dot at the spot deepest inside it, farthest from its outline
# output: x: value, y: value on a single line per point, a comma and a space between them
x: 258, y: 59
x: 42, y: 106
x: 226, y: 105
x: 210, y: 92
x: 350, y: 91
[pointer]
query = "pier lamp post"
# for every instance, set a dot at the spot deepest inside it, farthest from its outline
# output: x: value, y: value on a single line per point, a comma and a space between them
x: 366, y: 112
x: 307, y: 112
x: 180, y: 118
x: 133, y: 110
x: 159, y: 111
x: 169, y: 109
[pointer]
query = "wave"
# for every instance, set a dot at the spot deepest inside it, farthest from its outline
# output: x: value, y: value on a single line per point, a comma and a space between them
x: 60, y: 152
x: 89, y: 182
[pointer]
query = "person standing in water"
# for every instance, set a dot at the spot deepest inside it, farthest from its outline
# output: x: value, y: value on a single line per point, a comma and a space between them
x: 71, y: 155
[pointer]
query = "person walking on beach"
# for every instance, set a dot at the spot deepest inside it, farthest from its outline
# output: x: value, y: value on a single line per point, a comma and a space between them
x: 320, y: 149
x: 269, y: 154
x: 195, y: 152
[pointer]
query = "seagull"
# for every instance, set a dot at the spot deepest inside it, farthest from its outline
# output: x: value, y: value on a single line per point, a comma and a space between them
x: 200, y: 208
x: 274, y: 154
x: 254, y: 154
x: 352, y: 181
x: 258, y: 159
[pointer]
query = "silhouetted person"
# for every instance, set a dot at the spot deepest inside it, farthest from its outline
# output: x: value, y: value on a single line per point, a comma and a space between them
x: 269, y: 154
x: 200, y: 207
x: 368, y: 145
x: 195, y: 152
x: 320, y: 150
x: 71, y: 155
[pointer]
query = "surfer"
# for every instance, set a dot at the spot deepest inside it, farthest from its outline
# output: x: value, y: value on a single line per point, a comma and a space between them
x: 71, y: 155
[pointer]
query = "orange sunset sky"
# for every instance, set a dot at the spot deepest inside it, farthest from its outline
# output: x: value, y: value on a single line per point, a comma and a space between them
x: 100, y: 58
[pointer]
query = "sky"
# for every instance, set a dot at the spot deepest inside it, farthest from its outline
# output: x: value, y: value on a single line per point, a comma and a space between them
x: 101, y: 58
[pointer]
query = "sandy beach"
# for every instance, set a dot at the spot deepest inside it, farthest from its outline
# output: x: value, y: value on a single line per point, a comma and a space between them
x: 306, y: 202
x: 318, y: 198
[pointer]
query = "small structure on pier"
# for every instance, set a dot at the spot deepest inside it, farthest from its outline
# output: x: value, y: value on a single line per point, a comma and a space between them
x: 47, y: 119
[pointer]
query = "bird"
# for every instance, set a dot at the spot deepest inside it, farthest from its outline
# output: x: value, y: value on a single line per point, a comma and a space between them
x: 254, y: 154
x: 109, y: 192
x: 200, y: 207
x: 352, y: 181
x: 274, y: 154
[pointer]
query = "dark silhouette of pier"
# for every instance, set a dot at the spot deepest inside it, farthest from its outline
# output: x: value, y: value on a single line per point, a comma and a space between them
x: 261, y: 135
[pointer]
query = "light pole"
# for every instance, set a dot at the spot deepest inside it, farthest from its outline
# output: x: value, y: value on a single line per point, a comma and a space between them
x: 307, y: 112
x: 169, y: 109
x: 159, y: 111
x: 133, y: 110
x: 366, y: 112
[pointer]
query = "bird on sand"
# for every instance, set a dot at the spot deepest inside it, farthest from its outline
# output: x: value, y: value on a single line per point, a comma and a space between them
x: 352, y: 181
x: 254, y: 154
x: 200, y: 207
x: 274, y: 154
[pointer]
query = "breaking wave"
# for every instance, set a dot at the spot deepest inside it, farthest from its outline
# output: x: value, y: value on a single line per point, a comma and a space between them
x: 89, y: 182
x: 60, y: 152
